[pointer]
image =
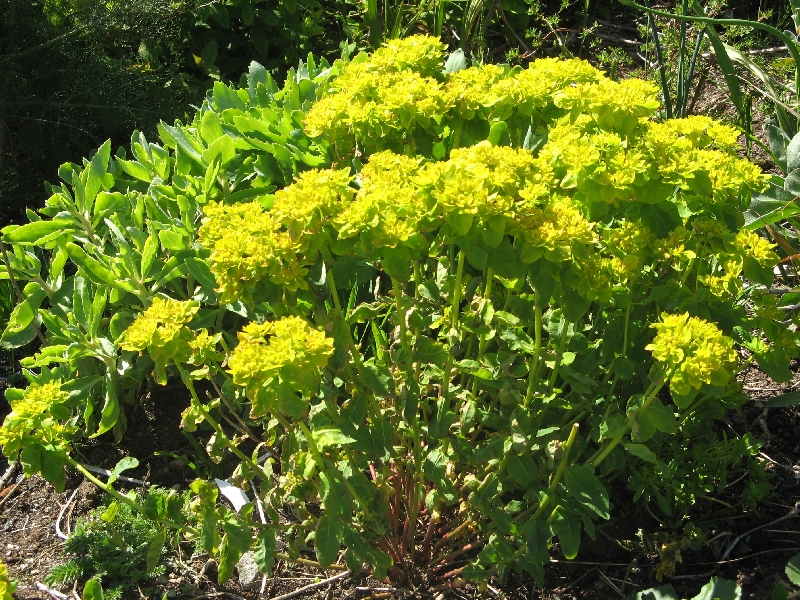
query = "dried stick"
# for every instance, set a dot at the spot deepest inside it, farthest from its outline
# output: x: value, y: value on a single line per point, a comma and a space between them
x: 313, y: 586
x: 8, y: 474
x: 50, y: 592
x: 10, y: 493
x: 59, y: 533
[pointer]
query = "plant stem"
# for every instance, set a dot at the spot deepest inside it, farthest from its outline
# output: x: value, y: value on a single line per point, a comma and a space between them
x: 534, y: 366
x: 108, y: 489
x: 562, y: 342
x: 216, y: 426
x: 453, y: 322
x: 601, y: 454
x: 559, y: 472
x: 324, y: 471
x: 624, y: 351
x: 788, y: 41
x: 482, y: 340
x: 401, y: 317
x: 338, y: 306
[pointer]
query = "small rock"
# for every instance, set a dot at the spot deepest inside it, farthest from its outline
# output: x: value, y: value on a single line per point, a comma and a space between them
x: 9, y: 525
x: 248, y: 571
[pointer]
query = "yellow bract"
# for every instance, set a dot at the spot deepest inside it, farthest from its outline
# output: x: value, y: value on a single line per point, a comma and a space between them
x: 694, y: 351
x: 161, y: 331
x: 286, y: 347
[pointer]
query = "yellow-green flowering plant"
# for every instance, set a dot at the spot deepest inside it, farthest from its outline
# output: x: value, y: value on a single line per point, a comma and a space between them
x: 448, y: 307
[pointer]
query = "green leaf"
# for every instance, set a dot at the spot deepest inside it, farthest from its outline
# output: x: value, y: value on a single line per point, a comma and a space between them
x: 22, y: 316
x: 789, y: 399
x: 96, y: 271
x: 111, y: 411
x: 329, y: 436
x: 537, y: 535
x: 779, y: 592
x: 265, y: 549
x: 719, y: 589
x: 93, y: 590
x: 328, y: 540
x: 201, y: 272
x: 33, y: 232
x: 128, y: 462
x: 435, y: 465
x: 224, y: 148
x: 97, y: 170
x: 457, y: 61
x: 172, y: 241
x: 235, y: 542
x: 178, y: 138
x: 132, y: 168
x: 658, y: 417
x: 642, y: 452
x: 585, y: 487
x: 154, y: 549
x: 523, y: 469
x: 663, y: 592
x: 377, y: 378
x: 793, y: 569
x: 568, y: 529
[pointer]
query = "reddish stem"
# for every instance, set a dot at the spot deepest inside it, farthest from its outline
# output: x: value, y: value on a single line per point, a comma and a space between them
x: 453, y: 573
x: 448, y: 536
x: 426, y: 543
x: 443, y: 562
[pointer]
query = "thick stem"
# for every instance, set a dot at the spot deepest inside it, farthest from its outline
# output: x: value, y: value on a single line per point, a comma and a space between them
x: 453, y: 321
x: 216, y: 426
x: 537, y: 351
x: 559, y: 472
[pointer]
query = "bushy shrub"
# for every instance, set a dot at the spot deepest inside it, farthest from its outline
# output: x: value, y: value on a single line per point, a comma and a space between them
x: 449, y: 302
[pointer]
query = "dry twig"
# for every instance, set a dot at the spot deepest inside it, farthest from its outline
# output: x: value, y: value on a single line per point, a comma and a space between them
x: 313, y: 586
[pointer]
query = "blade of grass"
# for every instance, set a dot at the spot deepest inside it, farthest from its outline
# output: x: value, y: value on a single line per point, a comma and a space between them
x: 784, y: 120
x: 727, y: 68
x: 662, y: 72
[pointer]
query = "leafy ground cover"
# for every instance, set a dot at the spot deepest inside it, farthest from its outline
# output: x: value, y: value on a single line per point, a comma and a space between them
x: 651, y: 488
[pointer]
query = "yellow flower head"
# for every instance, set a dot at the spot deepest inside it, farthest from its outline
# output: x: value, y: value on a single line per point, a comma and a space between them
x: 162, y: 332
x: 751, y: 244
x: 693, y: 350
x: 283, y: 347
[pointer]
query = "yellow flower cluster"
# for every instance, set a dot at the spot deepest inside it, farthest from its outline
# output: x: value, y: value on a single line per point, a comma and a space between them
x: 386, y: 211
x: 392, y: 90
x: 39, y: 410
x: 694, y: 351
x: 751, y: 244
x: 162, y: 332
x: 288, y: 350
x: 248, y: 245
